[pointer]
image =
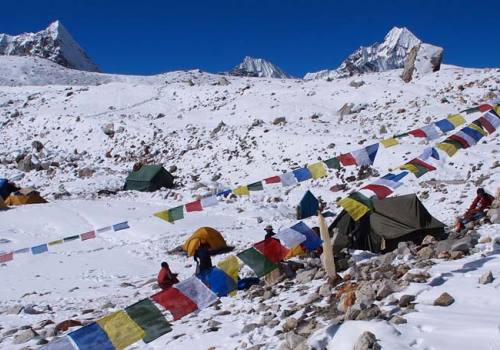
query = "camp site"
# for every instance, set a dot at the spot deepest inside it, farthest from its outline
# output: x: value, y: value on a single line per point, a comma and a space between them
x: 152, y: 198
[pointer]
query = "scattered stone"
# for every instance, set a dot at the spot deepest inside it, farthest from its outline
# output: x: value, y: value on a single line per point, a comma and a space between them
x: 368, y: 314
x: 108, y: 129
x: 428, y: 240
x: 67, y: 324
x: 357, y: 83
x: 444, y: 300
x: 425, y: 253
x: 279, y: 121
x: 85, y: 172
x: 14, y: 310
x: 405, y: 300
x: 294, y: 341
x: 367, y: 341
x: 23, y: 336
x: 249, y: 327
x: 486, y: 278
x: 398, y: 320
x: 384, y: 290
x: 306, y: 276
x: 290, y: 324
x: 37, y: 145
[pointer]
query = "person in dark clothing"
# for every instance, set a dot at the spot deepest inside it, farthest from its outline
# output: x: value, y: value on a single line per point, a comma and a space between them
x: 269, y: 232
x: 202, y: 258
x: 166, y: 278
x: 477, y: 209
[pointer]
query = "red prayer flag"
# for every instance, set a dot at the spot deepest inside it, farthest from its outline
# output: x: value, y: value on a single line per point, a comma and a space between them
x: 460, y: 140
x: 485, y: 108
x: 380, y: 191
x: 272, y: 249
x: 194, y: 206
x: 175, y: 302
x: 487, y: 125
x: 417, y: 133
x: 417, y: 161
x: 6, y: 257
x: 347, y: 159
x: 87, y: 235
x: 272, y: 180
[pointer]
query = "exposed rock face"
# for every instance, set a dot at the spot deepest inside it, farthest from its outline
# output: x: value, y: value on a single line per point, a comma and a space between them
x: 258, y: 67
x: 422, y: 59
x: 54, y: 43
x: 389, y: 54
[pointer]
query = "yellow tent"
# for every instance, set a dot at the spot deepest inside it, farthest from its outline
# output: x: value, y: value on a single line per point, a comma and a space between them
x: 204, y: 235
x: 2, y: 204
x: 25, y: 196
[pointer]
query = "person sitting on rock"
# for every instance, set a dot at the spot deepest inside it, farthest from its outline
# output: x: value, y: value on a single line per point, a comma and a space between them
x: 166, y: 278
x: 202, y: 259
x: 477, y: 209
x: 269, y: 232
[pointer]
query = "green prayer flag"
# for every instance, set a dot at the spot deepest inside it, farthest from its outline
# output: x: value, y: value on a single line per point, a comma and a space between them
x: 257, y: 262
x: 71, y: 238
x: 362, y: 199
x: 457, y: 144
x: 176, y: 213
x: 332, y: 163
x: 149, y: 318
x: 401, y: 135
x: 256, y: 186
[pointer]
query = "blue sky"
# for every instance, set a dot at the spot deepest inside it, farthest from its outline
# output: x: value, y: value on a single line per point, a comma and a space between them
x: 147, y: 37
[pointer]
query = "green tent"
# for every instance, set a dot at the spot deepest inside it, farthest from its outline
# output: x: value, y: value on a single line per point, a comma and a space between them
x: 149, y: 178
x: 393, y: 220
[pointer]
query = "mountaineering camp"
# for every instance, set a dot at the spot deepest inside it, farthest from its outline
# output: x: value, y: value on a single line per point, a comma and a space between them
x: 371, y: 218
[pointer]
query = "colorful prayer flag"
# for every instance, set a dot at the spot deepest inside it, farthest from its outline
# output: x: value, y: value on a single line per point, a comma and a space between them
x: 476, y: 125
x: 389, y: 142
x: 302, y: 174
x: 257, y: 262
x: 347, y: 159
x: 121, y: 330
x: 317, y: 170
x: 395, y: 177
x: 312, y: 241
x: 380, y: 191
x: 56, y: 242
x: 372, y: 151
x: 460, y: 140
x: 230, y: 266
x: 361, y: 157
x: 71, y: 238
x: 332, y: 163
x: 288, y: 179
x: 417, y: 133
x: 175, y: 301
x: 6, y: 257
x: 104, y: 229
x: 485, y: 107
x: 256, y: 186
x: 224, y: 193
x: 39, y: 249
x: 456, y: 120
x: 472, y: 132
x: 290, y: 238
x: 162, y: 215
x: 149, y: 318
x: 444, y: 125
x: 197, y: 291
x: 209, y: 201
x: 87, y: 235
x: 121, y: 226
x: 241, y: 191
x: 193, y: 206
x: 356, y: 205
x: 447, y: 147
x: 218, y: 281
x: 272, y: 180
x: 176, y: 213
x: 91, y: 337
x: 22, y: 251
x: 63, y: 343
x: 272, y: 249
x: 430, y: 132
x: 485, y: 123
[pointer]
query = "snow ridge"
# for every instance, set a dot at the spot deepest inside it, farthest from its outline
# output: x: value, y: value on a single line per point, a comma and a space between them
x: 54, y: 43
x: 258, y: 67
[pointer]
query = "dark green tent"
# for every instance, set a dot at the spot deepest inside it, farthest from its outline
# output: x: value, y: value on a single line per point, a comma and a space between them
x: 393, y: 220
x: 149, y: 178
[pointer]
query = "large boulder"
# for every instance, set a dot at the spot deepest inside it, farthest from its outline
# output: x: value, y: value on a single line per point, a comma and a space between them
x: 422, y: 59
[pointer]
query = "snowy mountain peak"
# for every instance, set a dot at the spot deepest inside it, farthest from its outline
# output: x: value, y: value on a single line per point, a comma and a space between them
x: 54, y: 43
x: 258, y: 67
x: 389, y: 54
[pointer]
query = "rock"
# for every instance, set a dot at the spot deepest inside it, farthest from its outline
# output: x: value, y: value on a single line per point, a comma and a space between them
x: 108, y: 129
x: 384, y: 290
x: 456, y: 255
x: 172, y: 169
x: 365, y: 295
x: 279, y: 121
x: 65, y: 325
x: 368, y: 314
x: 444, y: 300
x: 417, y: 277
x: 33, y: 310
x: 398, y: 320
x: 486, y: 278
x: 24, y: 336
x: 249, y: 327
x: 357, y: 83
x: 267, y: 295
x: 10, y: 332
x: 26, y: 164
x: 422, y: 59
x: 462, y: 245
x: 85, y: 172
x: 367, y: 341
x: 14, y: 310
x: 428, y: 240
x: 290, y: 324
x: 351, y: 313
x: 37, y: 145
x: 306, y: 276
x: 325, y: 290
x: 409, y: 65
x: 346, y: 300
x: 425, y: 253
x: 405, y: 300
x: 294, y: 341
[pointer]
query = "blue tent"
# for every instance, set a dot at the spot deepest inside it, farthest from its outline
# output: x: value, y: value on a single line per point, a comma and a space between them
x: 308, y: 206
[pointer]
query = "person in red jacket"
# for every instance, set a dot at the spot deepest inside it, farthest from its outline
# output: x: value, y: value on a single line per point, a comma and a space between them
x: 477, y: 209
x: 166, y: 278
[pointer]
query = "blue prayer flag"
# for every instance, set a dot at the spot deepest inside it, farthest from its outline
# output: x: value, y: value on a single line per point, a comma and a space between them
x: 394, y: 177
x: 372, y: 151
x: 218, y: 281
x: 435, y: 154
x: 445, y: 125
x: 224, y: 193
x: 312, y: 241
x: 121, y: 226
x: 39, y: 249
x: 476, y: 135
x: 302, y: 174
x: 91, y: 337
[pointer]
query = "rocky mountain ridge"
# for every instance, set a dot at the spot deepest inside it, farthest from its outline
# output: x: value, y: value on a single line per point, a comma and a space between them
x: 258, y: 67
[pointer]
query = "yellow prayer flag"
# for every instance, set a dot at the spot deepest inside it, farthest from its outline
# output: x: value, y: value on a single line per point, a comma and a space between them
x: 231, y: 266
x: 317, y: 170
x: 59, y: 241
x: 477, y: 128
x: 389, y: 142
x: 162, y: 215
x: 121, y: 330
x: 448, y: 148
x: 241, y: 191
x: 409, y: 167
x: 456, y: 119
x: 295, y: 251
x: 497, y: 109
x: 354, y: 208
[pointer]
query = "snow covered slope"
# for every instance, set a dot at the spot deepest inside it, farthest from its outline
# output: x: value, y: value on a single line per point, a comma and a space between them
x: 213, y: 132
x: 379, y: 57
x: 258, y: 67
x: 54, y: 43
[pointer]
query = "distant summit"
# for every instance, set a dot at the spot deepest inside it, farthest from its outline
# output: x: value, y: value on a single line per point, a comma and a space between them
x: 379, y: 57
x: 54, y: 43
x: 258, y: 67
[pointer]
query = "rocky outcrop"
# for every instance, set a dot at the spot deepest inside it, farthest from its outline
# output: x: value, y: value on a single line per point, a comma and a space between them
x: 259, y: 68
x: 422, y: 59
